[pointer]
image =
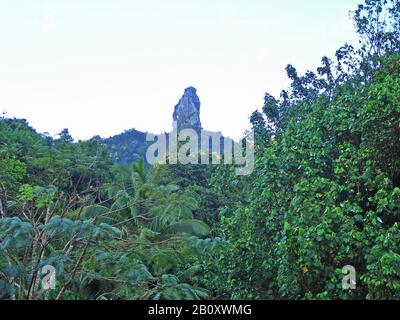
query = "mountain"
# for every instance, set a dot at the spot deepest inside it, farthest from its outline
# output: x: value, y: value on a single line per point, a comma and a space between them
x: 131, y: 145
x: 187, y: 111
x: 127, y: 147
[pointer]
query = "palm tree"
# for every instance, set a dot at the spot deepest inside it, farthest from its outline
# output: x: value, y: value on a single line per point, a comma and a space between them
x: 159, y: 217
x: 164, y: 209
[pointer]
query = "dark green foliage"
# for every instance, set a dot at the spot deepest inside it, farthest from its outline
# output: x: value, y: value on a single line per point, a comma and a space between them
x: 111, y: 233
x: 324, y: 195
x: 127, y: 147
x: 325, y: 189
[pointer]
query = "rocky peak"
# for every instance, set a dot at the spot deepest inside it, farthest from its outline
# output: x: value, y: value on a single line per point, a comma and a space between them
x: 187, y: 111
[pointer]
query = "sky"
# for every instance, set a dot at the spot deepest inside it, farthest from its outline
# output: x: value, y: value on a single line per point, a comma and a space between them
x: 99, y: 67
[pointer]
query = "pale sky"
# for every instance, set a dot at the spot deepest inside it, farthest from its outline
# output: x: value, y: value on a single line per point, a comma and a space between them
x: 103, y: 66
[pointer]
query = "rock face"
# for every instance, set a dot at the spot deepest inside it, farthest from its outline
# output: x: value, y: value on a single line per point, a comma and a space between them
x: 131, y: 145
x: 187, y: 111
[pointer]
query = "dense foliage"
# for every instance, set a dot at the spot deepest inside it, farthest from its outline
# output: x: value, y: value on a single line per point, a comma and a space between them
x: 325, y: 193
x: 326, y: 188
x: 127, y: 147
x: 111, y: 232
